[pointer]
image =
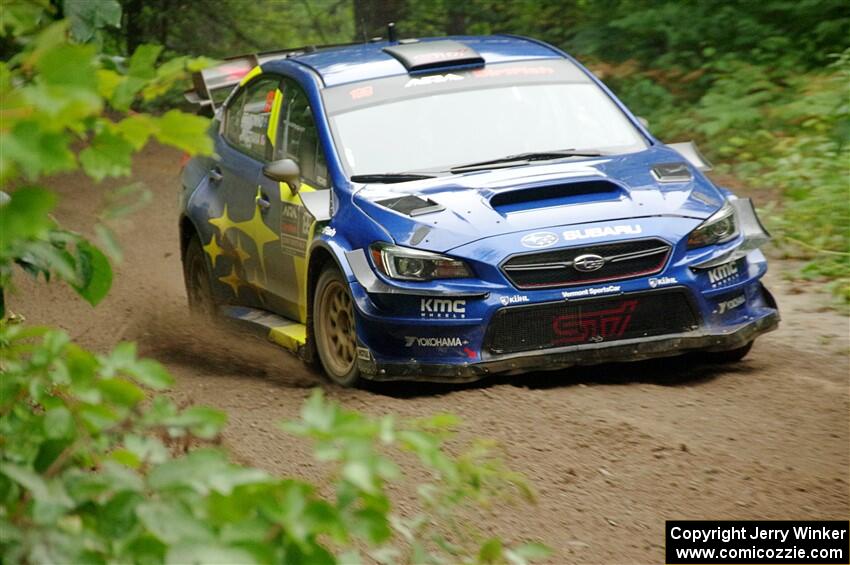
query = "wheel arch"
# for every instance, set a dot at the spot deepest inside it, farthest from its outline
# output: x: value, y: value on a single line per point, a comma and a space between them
x: 187, y: 230
x: 322, y: 254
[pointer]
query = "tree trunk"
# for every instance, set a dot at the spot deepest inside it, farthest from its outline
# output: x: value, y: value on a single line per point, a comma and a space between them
x: 133, y: 25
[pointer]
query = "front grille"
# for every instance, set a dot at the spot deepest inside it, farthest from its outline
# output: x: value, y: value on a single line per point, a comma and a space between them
x: 559, y: 324
x: 621, y: 260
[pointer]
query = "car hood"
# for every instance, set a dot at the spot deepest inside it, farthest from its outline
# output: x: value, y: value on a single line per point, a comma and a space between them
x: 442, y: 213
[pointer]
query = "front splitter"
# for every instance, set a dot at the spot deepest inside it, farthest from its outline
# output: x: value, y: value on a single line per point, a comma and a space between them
x: 576, y: 355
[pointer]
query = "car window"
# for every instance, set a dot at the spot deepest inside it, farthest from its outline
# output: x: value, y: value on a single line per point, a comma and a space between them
x: 246, y: 119
x: 301, y: 138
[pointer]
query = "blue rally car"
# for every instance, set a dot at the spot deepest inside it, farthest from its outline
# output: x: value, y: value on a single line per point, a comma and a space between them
x: 450, y: 208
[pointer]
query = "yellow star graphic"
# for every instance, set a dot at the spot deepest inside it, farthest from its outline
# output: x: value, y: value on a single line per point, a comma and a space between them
x: 241, y: 253
x: 213, y: 250
x: 243, y: 256
x: 259, y: 232
x: 223, y: 222
x: 232, y: 280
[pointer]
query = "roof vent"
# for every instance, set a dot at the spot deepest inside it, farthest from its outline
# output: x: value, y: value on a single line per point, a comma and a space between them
x: 411, y: 205
x: 428, y: 55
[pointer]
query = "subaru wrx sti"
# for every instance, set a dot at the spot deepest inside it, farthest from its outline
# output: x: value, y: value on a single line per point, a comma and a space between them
x: 451, y: 208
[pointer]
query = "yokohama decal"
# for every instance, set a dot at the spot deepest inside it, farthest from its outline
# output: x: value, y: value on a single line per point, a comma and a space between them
x: 593, y: 325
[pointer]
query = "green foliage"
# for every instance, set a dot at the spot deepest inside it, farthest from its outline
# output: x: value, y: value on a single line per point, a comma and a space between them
x: 88, y: 17
x: 92, y: 471
x: 54, y: 94
x: 754, y: 82
x: 787, y: 135
x: 94, y: 465
x: 236, y: 26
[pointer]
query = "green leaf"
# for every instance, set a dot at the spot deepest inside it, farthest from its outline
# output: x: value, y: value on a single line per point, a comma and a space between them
x: 192, y: 470
x: 126, y: 200
x: 441, y: 421
x: 25, y: 216
x: 89, y: 16
x: 185, y: 131
x: 143, y: 60
x: 172, y: 523
x: 107, y: 81
x: 207, y: 554
x: 371, y: 525
x: 37, y: 151
x: 21, y: 18
x: 106, y: 238
x: 360, y: 474
x: 532, y: 551
x: 126, y: 90
x: 47, y: 258
x: 27, y: 479
x: 68, y: 65
x: 316, y: 413
x: 98, y: 417
x: 58, y: 423
x: 150, y: 373
x: 202, y: 421
x: 491, y: 551
x: 117, y: 517
x: 120, y: 392
x: 94, y: 271
x: 109, y: 155
x: 136, y: 129
x: 147, y: 449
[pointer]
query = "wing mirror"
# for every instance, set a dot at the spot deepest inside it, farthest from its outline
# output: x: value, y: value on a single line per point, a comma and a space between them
x: 284, y: 170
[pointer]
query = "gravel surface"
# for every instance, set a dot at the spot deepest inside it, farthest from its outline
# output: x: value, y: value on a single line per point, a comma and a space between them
x: 613, y: 450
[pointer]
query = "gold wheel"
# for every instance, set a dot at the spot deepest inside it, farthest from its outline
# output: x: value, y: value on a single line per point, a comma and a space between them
x: 336, y: 337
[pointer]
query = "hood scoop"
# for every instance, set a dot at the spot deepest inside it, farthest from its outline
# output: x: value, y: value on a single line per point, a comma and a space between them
x: 411, y: 205
x: 553, y: 195
x: 672, y: 172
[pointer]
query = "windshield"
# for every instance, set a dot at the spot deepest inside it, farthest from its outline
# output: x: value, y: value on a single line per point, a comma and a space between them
x: 439, y: 121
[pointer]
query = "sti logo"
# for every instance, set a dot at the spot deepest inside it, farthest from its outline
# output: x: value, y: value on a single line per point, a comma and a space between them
x: 593, y: 325
x: 442, y: 308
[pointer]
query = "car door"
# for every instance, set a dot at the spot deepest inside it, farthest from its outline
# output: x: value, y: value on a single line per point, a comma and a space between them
x: 247, y: 223
x: 297, y: 139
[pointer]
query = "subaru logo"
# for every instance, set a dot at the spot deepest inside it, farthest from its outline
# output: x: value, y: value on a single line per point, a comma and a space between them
x: 589, y: 262
x: 539, y: 239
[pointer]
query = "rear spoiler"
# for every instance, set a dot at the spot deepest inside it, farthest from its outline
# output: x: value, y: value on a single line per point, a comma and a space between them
x: 211, y: 86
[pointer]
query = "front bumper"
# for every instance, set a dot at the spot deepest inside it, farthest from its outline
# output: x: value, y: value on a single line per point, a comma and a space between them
x: 586, y: 354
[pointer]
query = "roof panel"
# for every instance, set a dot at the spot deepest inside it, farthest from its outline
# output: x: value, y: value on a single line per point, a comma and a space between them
x: 341, y: 65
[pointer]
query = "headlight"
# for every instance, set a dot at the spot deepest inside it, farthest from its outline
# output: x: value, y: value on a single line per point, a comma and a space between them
x: 413, y: 265
x: 719, y: 228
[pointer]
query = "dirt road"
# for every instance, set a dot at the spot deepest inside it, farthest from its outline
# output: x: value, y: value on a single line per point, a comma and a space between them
x: 613, y: 451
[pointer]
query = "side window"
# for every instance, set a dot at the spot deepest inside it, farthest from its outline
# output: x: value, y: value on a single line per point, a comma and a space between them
x: 246, y: 119
x: 301, y: 138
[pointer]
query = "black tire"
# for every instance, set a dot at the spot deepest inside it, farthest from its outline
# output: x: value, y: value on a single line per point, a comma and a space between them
x: 333, y: 328
x: 730, y: 356
x: 197, y: 279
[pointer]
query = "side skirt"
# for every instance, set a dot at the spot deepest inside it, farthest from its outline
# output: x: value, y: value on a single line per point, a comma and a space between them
x: 277, y: 329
